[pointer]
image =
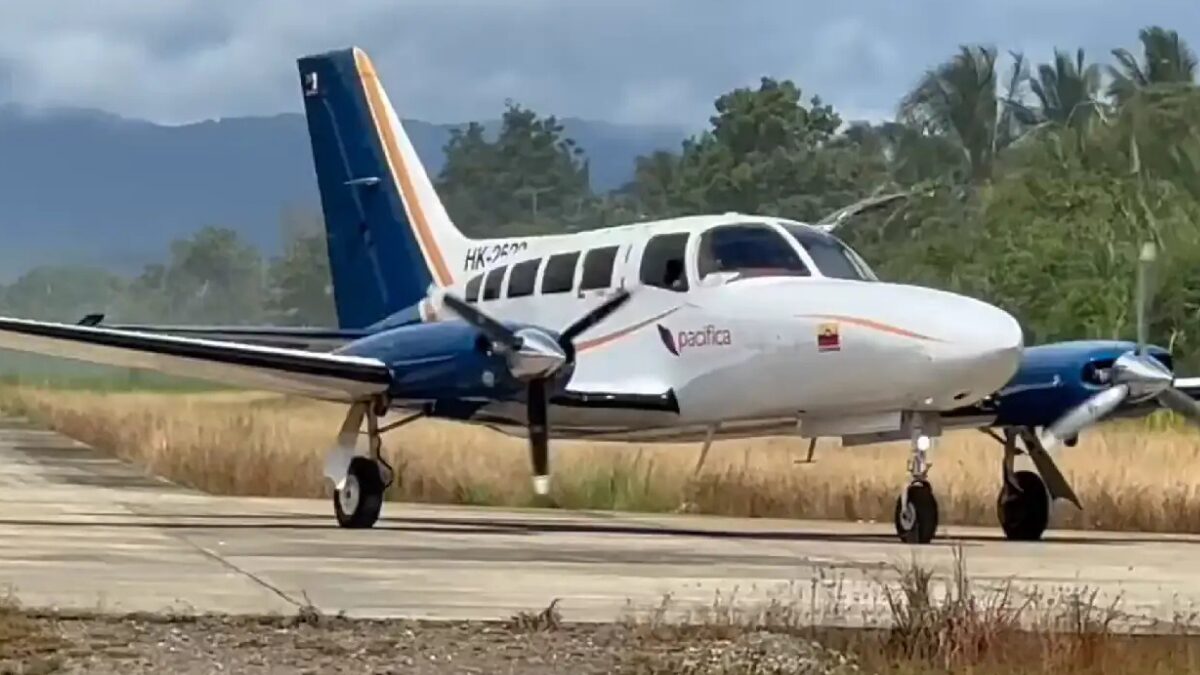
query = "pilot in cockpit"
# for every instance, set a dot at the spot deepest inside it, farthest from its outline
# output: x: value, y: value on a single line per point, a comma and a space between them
x: 673, y: 277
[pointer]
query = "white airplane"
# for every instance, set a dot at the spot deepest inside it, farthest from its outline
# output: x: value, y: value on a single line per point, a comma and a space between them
x: 717, y: 326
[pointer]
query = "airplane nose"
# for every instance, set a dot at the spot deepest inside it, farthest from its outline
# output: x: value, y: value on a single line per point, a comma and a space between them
x: 979, y: 352
x: 985, y: 329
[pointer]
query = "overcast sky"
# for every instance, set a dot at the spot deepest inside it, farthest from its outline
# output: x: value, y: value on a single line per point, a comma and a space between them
x: 657, y: 61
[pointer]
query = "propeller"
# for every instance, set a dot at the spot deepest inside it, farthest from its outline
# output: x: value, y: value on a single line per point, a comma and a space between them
x: 1135, y: 375
x: 535, y: 356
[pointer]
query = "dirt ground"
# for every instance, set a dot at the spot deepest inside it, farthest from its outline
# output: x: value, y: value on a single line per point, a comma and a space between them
x: 534, y: 643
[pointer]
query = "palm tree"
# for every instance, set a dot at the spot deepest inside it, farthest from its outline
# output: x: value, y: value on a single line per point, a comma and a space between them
x: 959, y: 99
x: 1068, y: 91
x: 1168, y: 59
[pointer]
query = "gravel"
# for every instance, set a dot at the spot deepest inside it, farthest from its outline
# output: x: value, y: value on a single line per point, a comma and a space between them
x: 530, y: 643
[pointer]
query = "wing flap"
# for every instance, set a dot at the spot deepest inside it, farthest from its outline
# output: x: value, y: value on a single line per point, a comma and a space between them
x: 290, y: 371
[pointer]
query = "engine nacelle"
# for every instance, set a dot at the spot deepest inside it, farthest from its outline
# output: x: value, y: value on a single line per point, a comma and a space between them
x: 1054, y: 378
x: 445, y: 361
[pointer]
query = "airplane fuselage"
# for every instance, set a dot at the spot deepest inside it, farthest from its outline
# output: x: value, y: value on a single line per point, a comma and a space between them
x: 754, y: 350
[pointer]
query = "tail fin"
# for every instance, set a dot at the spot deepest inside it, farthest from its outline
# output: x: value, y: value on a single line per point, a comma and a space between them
x: 388, y: 234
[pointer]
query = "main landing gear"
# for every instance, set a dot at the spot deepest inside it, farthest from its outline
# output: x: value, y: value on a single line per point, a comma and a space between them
x: 1023, y: 505
x: 359, y: 481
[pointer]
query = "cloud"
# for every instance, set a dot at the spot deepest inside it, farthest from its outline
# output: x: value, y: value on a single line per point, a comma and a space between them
x: 451, y: 60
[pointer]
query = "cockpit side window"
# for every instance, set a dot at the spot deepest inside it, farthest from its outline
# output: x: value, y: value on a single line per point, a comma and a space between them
x: 831, y: 256
x: 663, y: 262
x: 749, y: 250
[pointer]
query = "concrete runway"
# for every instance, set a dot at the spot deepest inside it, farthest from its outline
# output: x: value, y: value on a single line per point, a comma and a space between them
x: 80, y: 530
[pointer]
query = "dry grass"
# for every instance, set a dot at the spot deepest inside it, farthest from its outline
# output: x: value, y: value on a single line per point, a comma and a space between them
x: 935, y: 623
x: 1128, y: 476
x: 27, y: 645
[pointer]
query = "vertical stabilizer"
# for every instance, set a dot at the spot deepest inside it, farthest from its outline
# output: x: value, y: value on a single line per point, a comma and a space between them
x: 388, y: 234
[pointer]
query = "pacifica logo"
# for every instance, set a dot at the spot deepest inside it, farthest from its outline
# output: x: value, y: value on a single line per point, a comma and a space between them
x: 709, y: 336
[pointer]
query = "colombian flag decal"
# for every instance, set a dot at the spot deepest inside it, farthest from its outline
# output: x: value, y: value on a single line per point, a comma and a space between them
x: 828, y: 338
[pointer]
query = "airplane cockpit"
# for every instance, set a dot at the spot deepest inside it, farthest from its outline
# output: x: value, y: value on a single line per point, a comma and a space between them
x: 832, y: 257
x: 783, y: 248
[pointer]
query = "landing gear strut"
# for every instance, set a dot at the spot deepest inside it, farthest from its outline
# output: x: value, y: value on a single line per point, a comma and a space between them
x: 360, y: 481
x: 916, y: 515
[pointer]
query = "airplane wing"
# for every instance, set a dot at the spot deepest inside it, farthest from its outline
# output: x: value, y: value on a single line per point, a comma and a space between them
x: 331, y: 377
x: 318, y: 339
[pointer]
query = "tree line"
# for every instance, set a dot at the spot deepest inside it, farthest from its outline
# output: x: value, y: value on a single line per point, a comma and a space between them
x: 1029, y: 184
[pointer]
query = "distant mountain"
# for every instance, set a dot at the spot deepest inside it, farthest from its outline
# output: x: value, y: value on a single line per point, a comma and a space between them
x: 86, y: 187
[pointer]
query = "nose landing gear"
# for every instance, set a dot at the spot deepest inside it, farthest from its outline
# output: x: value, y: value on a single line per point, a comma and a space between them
x: 916, y: 515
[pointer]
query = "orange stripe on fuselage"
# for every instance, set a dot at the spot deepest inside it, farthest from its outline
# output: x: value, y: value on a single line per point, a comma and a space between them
x: 605, y: 339
x: 873, y: 325
x: 371, y: 87
x: 865, y: 323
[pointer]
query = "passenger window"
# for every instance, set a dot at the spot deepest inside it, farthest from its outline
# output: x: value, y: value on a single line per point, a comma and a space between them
x: 598, y: 268
x: 473, y: 287
x: 559, y: 276
x: 520, y: 282
x: 663, y: 262
x: 491, y: 284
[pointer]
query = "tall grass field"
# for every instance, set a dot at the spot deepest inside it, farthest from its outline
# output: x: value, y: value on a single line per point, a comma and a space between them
x: 1129, y: 476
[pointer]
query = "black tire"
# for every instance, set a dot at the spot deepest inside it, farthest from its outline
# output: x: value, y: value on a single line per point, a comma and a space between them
x: 920, y: 524
x: 1024, y: 511
x: 358, y: 504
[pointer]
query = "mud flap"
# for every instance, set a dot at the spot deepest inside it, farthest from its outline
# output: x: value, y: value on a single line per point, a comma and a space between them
x: 1056, y: 482
x: 337, y: 460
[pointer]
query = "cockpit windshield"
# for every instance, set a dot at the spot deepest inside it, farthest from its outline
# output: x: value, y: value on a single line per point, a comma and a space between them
x: 832, y: 257
x: 748, y: 250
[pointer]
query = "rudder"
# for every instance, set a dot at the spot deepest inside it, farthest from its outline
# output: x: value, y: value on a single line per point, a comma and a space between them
x: 388, y: 235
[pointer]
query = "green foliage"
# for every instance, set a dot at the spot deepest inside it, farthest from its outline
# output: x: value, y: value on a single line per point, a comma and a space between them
x: 1166, y: 60
x: 216, y: 276
x: 300, y: 288
x: 60, y: 293
x: 527, y: 179
x: 766, y: 152
x: 1067, y: 92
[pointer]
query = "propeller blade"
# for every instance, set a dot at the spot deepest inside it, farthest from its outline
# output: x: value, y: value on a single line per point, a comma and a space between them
x: 600, y: 313
x: 1145, y: 263
x: 493, y: 330
x: 539, y: 436
x: 1181, y: 403
x: 1085, y: 414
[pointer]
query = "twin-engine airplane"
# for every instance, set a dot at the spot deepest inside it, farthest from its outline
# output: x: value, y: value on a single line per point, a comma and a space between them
x: 705, y: 327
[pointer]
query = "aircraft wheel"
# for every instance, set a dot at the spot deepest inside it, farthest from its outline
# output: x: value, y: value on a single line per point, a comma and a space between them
x: 1024, y: 511
x: 917, y: 514
x: 358, y: 503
